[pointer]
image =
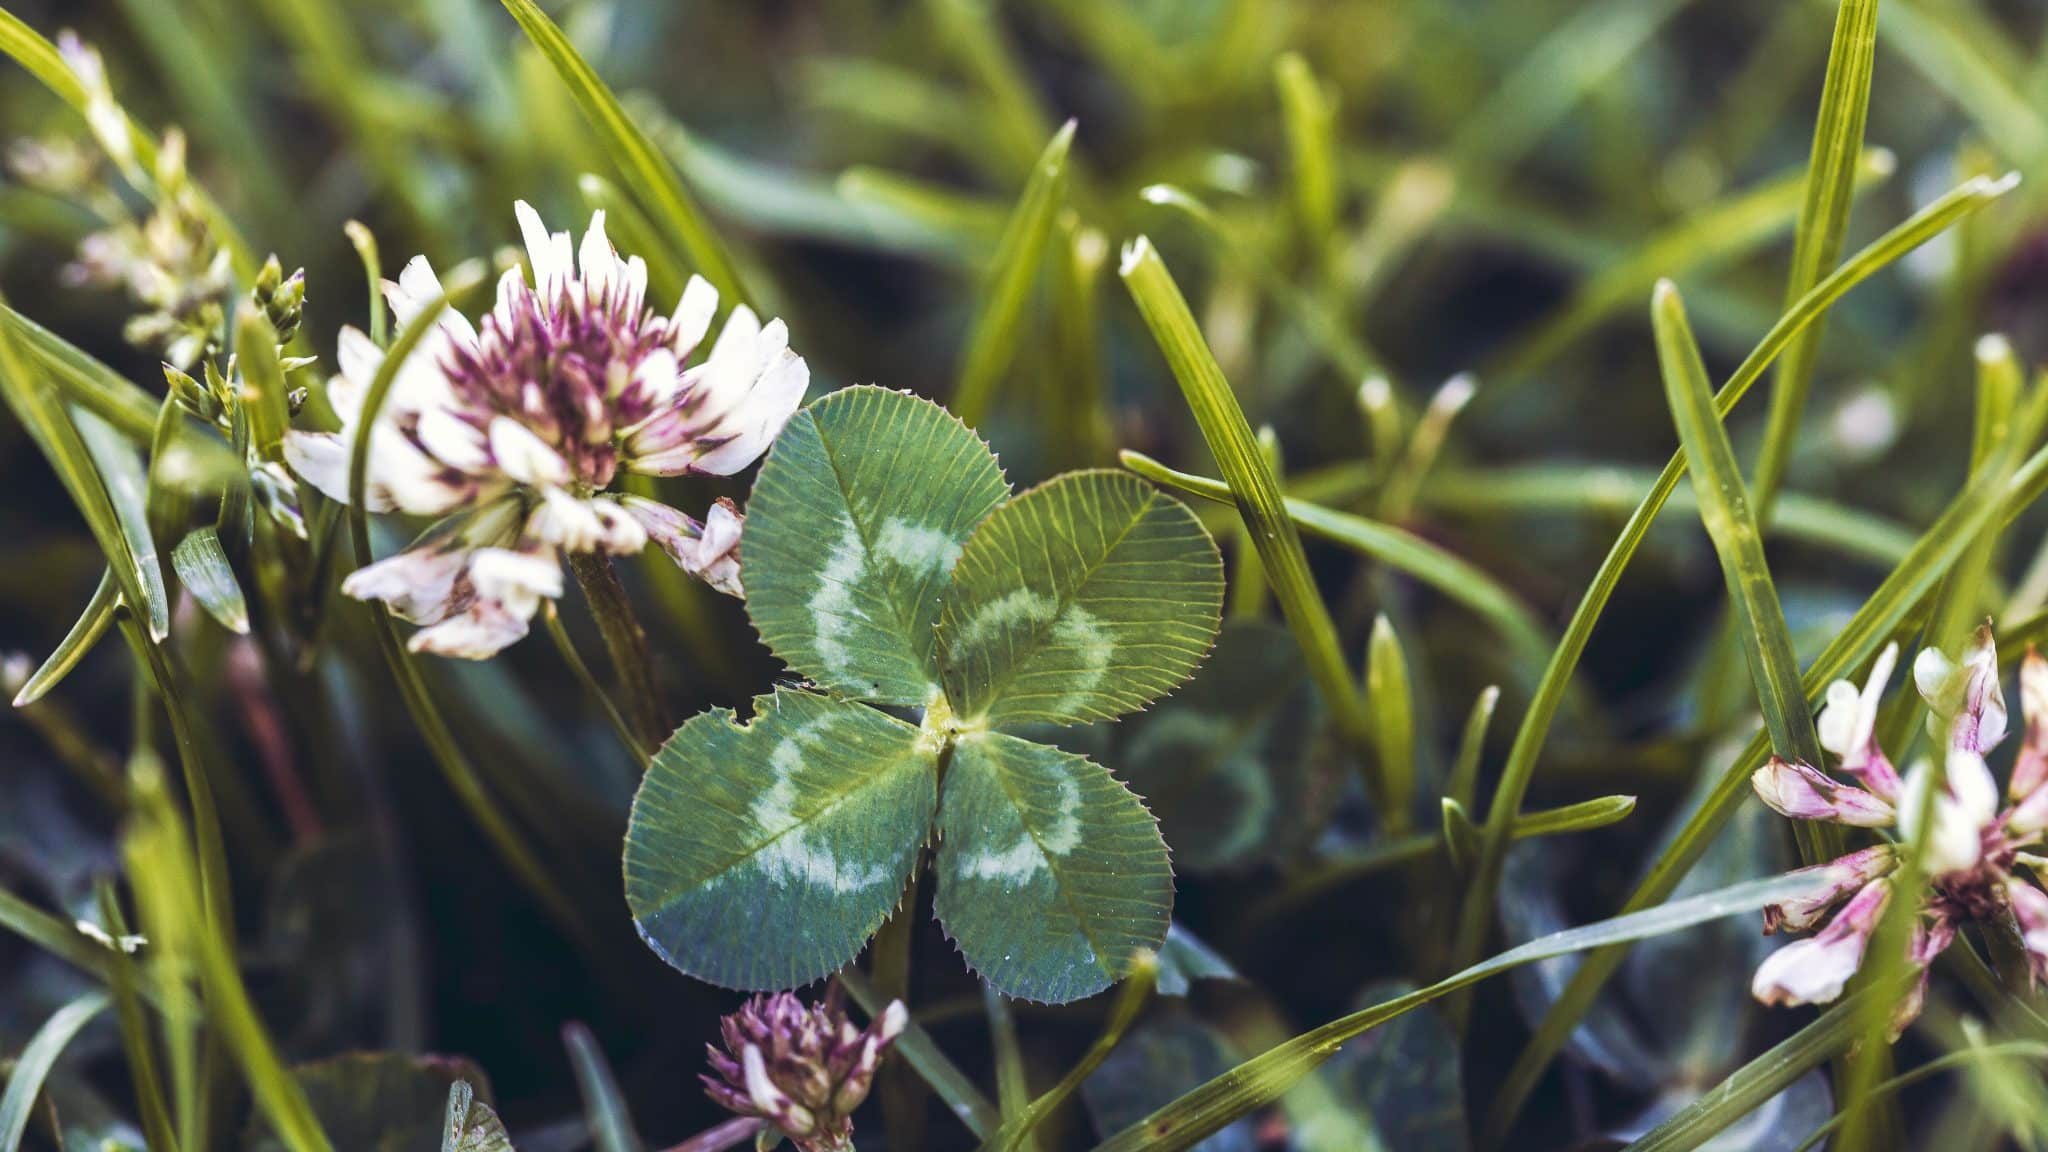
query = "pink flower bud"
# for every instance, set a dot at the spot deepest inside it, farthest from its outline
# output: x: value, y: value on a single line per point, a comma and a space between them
x: 1844, y: 875
x: 1813, y: 970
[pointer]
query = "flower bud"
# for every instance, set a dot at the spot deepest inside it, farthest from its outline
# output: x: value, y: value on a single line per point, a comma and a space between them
x: 804, y: 1069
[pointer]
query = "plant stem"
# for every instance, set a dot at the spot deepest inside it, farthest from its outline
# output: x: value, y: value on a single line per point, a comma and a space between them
x: 581, y: 671
x: 632, y: 659
x: 901, y: 1091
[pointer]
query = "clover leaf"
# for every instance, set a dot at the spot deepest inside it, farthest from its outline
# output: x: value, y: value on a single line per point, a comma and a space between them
x: 887, y: 563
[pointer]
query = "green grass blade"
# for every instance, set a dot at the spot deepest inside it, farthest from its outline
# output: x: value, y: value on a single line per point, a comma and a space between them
x: 461, y: 775
x: 1550, y: 691
x: 1464, y: 780
x: 1333, y: 336
x: 642, y: 167
x: 1397, y: 548
x: 1823, y: 222
x: 1584, y: 816
x: 999, y: 327
x: 264, y: 390
x: 921, y: 1052
x: 33, y: 1066
x: 1016, y: 118
x: 1392, y: 700
x: 52, y: 935
x: 1939, y: 49
x: 604, y: 1106
x: 92, y: 624
x: 1708, y: 237
x: 1607, y: 490
x: 2015, y: 1050
x: 1725, y: 510
x: 83, y: 380
x: 1254, y: 490
x: 1130, y: 999
x: 136, y: 1043
x: 1310, y: 120
x: 1265, y: 1078
x: 1748, y: 1087
x: 1994, y: 492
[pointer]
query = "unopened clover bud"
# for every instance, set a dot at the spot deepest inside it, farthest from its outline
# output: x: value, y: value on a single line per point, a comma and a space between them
x: 282, y: 298
x: 190, y: 394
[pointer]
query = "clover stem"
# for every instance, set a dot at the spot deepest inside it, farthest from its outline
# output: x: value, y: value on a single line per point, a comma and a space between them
x: 902, y: 1092
x: 632, y: 660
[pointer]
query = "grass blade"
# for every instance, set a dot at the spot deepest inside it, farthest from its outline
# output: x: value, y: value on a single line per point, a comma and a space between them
x: 1252, y: 487
x: 642, y: 168
x: 1725, y: 510
x: 136, y: 1042
x: 1265, y: 1078
x: 999, y: 327
x: 1706, y: 238
x: 1397, y: 548
x: 92, y: 624
x: 203, y: 568
x: 1584, y: 816
x: 1992, y: 493
x: 1391, y: 697
x: 1550, y: 691
x: 1310, y: 119
x: 1130, y: 999
x: 922, y: 1053
x: 36, y: 1060
x: 1823, y: 221
x: 461, y: 775
x: 83, y: 380
x: 604, y: 1106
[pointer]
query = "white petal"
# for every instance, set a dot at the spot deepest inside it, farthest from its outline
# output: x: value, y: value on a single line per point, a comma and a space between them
x: 566, y: 522
x: 619, y: 533
x: 518, y: 579
x: 483, y: 631
x: 1838, y: 718
x: 321, y: 459
x: 452, y: 440
x: 417, y: 584
x: 548, y: 254
x: 760, y: 417
x: 524, y: 456
x: 358, y: 357
x: 692, y: 317
x: 599, y: 263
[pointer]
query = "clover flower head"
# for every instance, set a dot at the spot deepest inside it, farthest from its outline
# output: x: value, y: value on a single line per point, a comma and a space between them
x: 802, y: 1068
x: 1969, y: 848
x: 516, y: 430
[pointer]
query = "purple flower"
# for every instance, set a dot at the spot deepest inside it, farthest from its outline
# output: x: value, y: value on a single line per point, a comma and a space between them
x: 803, y: 1069
x: 517, y: 429
x: 1969, y: 847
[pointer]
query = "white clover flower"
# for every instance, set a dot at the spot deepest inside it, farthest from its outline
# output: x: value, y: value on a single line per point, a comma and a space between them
x: 1969, y: 848
x: 516, y: 430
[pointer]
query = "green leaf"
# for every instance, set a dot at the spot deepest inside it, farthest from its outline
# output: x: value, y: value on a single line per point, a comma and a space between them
x: 853, y: 528
x: 471, y: 1125
x: 202, y: 567
x: 762, y: 856
x: 999, y: 327
x: 641, y: 166
x: 1584, y: 816
x: 1229, y: 764
x: 1083, y: 599
x: 1053, y: 879
x: 375, y: 1101
x: 32, y: 1067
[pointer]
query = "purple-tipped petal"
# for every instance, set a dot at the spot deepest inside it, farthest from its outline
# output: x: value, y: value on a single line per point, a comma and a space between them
x: 1813, y: 970
x: 1805, y: 793
x: 2030, y: 910
x: 1844, y: 875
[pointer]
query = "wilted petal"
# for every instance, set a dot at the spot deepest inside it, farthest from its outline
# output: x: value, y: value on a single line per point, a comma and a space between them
x: 480, y: 632
x: 1844, y: 874
x: 1929, y: 941
x: 707, y: 550
x: 1805, y: 793
x: 1813, y: 970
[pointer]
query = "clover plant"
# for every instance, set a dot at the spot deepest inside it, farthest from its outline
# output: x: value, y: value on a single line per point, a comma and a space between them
x: 932, y: 613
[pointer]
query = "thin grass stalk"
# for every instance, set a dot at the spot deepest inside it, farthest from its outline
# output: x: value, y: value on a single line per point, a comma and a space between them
x: 1256, y: 493
x: 455, y: 767
x: 1823, y: 222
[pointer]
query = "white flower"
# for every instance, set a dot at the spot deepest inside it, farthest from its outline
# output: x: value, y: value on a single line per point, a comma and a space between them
x: 518, y: 427
x: 1813, y: 970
